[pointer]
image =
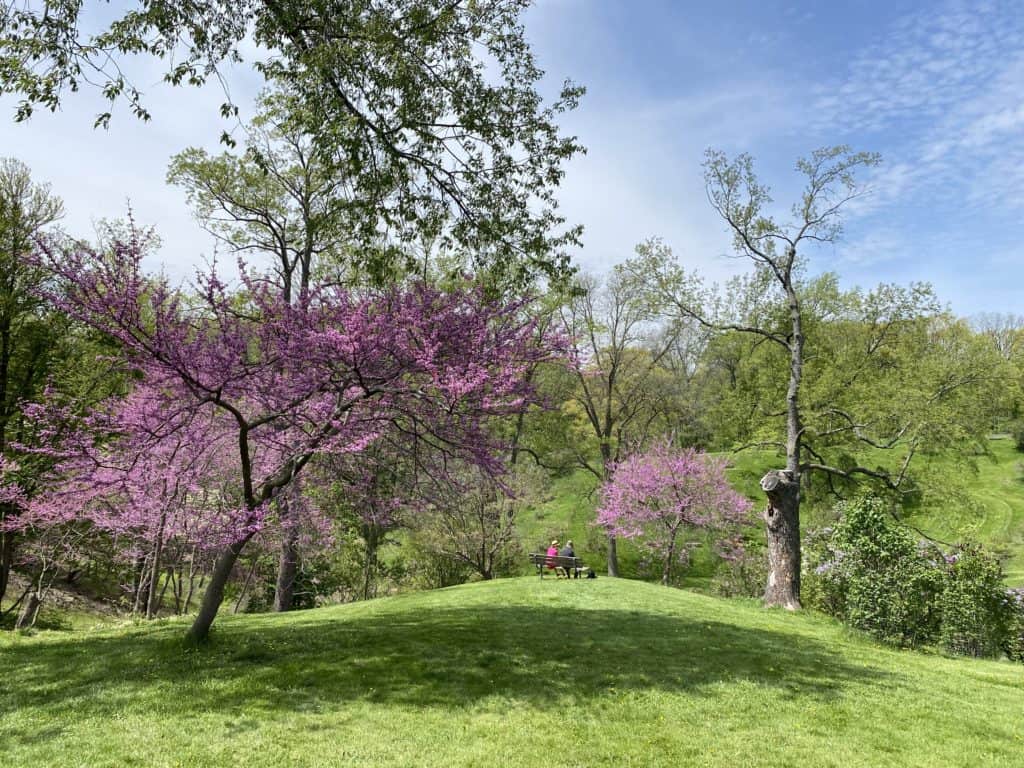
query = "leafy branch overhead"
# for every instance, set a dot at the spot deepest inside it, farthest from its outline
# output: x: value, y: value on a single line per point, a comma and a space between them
x: 430, y: 111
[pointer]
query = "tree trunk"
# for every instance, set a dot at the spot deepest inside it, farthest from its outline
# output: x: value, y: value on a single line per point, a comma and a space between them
x: 613, y: 557
x: 245, y: 586
x: 613, y: 554
x: 6, y: 510
x: 666, y: 571
x: 200, y: 630
x: 191, y: 581
x: 782, y: 525
x: 371, y: 542
x: 166, y: 584
x: 29, y: 611
x: 6, y: 556
x: 139, y: 588
x: 192, y: 586
x: 153, y: 597
x: 782, y: 515
x: 287, y: 567
x: 174, y: 575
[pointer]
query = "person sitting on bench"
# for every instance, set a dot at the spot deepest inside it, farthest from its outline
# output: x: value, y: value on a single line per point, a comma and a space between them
x: 552, y: 553
x: 568, y: 551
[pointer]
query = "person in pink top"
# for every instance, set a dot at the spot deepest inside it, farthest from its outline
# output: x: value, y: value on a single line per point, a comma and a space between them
x: 552, y: 553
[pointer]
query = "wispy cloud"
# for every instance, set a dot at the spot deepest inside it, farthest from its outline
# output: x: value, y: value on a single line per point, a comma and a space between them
x: 943, y: 91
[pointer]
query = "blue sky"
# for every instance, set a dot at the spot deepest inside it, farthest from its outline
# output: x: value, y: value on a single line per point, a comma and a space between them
x: 936, y: 87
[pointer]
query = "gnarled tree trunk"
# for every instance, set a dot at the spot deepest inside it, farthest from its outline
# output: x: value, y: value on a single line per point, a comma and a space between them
x: 613, y: 552
x: 782, y: 524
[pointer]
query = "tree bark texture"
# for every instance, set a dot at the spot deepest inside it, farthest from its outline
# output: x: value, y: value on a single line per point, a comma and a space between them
x: 613, y: 557
x: 782, y: 525
x: 6, y: 557
x: 666, y: 570
x: 214, y: 594
x: 606, y: 466
x: 287, y: 568
x: 153, y: 598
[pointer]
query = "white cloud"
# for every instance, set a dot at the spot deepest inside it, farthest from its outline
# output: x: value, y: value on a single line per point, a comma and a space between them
x: 944, y: 90
x: 940, y: 92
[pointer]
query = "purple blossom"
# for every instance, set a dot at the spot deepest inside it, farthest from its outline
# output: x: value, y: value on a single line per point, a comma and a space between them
x: 657, y: 495
x: 238, y: 392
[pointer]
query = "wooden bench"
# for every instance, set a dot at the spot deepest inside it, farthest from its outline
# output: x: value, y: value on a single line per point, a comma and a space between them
x: 545, y: 562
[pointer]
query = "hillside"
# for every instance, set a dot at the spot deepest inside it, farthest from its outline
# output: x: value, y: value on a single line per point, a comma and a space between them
x: 987, y: 506
x: 514, y: 672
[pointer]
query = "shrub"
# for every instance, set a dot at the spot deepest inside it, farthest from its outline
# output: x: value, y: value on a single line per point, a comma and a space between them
x: 976, y: 610
x: 744, y: 575
x: 1013, y: 642
x: 1017, y: 432
x: 873, y: 574
x: 317, y: 580
x: 824, y: 581
x: 419, y: 565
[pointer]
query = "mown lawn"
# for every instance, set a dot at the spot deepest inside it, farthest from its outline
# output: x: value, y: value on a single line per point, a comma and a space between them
x: 514, y: 672
x: 996, y: 519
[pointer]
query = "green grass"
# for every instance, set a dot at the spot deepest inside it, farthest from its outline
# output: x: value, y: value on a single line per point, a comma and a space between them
x: 996, y: 519
x: 567, y: 513
x: 514, y: 672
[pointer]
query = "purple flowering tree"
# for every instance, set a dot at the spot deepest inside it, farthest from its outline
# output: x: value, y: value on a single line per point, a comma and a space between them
x: 661, y: 496
x: 239, y: 391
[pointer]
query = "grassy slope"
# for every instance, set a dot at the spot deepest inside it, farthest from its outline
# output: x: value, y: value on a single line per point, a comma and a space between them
x: 515, y: 672
x: 997, y: 487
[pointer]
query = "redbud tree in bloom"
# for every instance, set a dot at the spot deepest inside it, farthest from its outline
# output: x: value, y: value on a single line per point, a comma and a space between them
x: 239, y: 391
x: 664, y: 495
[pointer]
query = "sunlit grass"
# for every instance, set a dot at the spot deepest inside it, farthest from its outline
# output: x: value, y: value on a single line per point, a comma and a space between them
x: 521, y: 671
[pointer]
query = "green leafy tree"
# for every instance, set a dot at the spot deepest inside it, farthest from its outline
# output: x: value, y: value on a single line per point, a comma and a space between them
x: 623, y: 393
x: 429, y: 110
x: 27, y: 341
x: 839, y: 377
x: 278, y: 199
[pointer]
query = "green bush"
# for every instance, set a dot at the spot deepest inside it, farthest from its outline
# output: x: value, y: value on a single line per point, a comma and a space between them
x: 875, y: 576
x: 823, y: 582
x: 892, y: 580
x: 420, y: 566
x: 1013, y: 644
x: 976, y: 611
x: 317, y: 579
x: 1017, y: 432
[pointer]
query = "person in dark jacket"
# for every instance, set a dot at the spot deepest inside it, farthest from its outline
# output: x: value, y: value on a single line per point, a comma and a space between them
x: 568, y: 551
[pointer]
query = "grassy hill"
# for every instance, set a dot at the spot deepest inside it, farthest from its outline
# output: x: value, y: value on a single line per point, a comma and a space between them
x: 514, y: 672
x: 995, y: 486
x: 987, y: 506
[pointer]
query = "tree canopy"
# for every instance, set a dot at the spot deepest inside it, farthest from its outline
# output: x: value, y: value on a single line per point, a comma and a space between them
x: 430, y: 111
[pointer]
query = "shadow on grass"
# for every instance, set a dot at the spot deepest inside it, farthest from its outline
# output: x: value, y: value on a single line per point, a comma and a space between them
x: 440, y: 658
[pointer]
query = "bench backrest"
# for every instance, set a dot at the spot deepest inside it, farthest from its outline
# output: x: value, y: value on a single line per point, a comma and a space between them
x: 537, y: 558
